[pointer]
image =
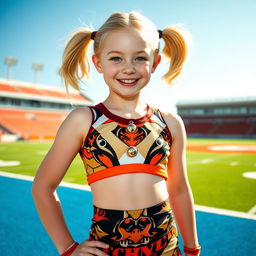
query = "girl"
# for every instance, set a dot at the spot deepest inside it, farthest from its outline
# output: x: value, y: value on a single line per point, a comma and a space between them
x: 134, y: 155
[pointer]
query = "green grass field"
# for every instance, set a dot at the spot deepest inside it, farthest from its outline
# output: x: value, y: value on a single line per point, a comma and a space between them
x: 216, y: 178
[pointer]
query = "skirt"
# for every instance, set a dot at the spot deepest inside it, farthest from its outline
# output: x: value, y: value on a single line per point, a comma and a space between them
x: 146, y: 232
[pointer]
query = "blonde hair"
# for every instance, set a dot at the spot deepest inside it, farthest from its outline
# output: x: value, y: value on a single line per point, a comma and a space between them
x: 75, y: 61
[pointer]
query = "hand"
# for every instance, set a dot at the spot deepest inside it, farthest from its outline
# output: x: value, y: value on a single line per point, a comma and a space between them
x: 90, y: 247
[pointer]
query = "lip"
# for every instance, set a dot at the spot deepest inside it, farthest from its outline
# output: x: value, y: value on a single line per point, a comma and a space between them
x: 128, y: 82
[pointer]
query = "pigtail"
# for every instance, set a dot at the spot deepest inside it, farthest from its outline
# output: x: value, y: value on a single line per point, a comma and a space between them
x: 75, y: 57
x: 175, y: 50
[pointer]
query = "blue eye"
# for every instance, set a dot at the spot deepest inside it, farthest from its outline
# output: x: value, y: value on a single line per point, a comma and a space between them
x: 115, y: 59
x: 141, y: 59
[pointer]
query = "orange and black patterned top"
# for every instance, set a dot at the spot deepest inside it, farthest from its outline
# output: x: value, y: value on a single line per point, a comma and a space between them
x: 115, y: 145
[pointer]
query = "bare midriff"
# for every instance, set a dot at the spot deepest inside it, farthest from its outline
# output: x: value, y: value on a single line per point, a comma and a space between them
x: 129, y: 191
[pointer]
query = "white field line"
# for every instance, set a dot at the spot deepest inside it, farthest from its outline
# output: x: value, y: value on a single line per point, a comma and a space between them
x: 16, y: 176
x: 250, y: 175
x: 30, y: 178
x: 41, y: 152
x: 250, y: 215
x: 208, y: 160
x: 234, y: 163
x: 252, y: 210
x: 231, y: 213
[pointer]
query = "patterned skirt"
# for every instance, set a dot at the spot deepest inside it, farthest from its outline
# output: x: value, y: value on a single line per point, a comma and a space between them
x: 146, y: 232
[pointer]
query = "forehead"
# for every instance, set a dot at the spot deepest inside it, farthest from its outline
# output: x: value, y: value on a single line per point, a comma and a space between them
x: 128, y: 40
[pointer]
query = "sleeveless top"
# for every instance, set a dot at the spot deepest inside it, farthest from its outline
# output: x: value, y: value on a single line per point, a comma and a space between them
x: 115, y: 145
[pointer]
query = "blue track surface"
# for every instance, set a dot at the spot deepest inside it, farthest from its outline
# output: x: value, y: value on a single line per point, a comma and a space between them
x: 21, y: 231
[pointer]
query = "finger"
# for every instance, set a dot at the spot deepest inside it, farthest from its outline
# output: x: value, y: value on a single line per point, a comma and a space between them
x: 95, y: 251
x: 94, y: 243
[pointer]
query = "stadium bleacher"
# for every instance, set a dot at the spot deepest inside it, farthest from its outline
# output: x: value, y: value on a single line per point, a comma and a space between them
x: 40, y: 91
x: 218, y: 126
x: 31, y: 124
x: 34, y: 112
x: 220, y: 118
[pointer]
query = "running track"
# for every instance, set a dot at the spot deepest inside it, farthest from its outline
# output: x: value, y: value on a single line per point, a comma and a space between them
x: 21, y: 232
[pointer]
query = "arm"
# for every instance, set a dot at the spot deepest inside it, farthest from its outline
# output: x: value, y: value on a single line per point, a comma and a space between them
x: 180, y: 194
x: 67, y: 143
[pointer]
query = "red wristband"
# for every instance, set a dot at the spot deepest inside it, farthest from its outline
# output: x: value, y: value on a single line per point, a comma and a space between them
x: 70, y: 249
x: 192, y: 251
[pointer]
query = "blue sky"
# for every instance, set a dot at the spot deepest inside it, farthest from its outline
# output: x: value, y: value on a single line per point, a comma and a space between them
x: 222, y: 61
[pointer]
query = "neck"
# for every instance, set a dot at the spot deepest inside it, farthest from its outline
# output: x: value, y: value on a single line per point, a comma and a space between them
x: 126, y: 108
x: 125, y: 105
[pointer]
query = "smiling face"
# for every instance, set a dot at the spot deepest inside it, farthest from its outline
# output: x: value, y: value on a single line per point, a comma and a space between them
x: 126, y: 62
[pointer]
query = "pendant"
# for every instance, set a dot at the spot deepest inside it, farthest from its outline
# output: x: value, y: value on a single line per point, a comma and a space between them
x: 132, y: 151
x: 131, y: 127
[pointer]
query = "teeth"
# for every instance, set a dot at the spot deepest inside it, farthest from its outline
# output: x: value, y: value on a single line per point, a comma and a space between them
x: 128, y: 81
x: 124, y: 243
x: 146, y: 240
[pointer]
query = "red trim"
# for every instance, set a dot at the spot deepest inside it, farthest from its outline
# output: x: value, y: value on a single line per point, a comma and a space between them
x: 192, y: 251
x: 123, y: 120
x: 70, y: 249
x: 127, y: 168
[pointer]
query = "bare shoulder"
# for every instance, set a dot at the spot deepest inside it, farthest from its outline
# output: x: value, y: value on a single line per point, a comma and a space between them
x: 174, y: 123
x: 82, y: 114
x: 77, y: 122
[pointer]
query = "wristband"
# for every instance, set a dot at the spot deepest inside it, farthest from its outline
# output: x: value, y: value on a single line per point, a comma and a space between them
x: 70, y: 249
x: 192, y: 251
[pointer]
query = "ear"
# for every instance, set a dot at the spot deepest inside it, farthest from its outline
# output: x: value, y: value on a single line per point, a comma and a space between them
x: 97, y: 64
x: 156, y: 62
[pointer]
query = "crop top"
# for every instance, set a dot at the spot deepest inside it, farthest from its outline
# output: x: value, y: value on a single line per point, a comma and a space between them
x: 115, y: 145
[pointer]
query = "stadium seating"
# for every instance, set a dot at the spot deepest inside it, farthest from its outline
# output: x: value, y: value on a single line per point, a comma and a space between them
x: 31, y: 111
x: 31, y: 124
x: 233, y: 128
x: 7, y: 88
x: 221, y: 125
x: 19, y: 89
x: 202, y: 127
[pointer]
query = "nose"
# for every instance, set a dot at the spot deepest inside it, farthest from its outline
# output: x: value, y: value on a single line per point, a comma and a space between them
x: 129, y: 68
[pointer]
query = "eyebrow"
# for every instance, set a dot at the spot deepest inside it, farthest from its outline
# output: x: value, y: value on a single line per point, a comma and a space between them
x: 119, y: 52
